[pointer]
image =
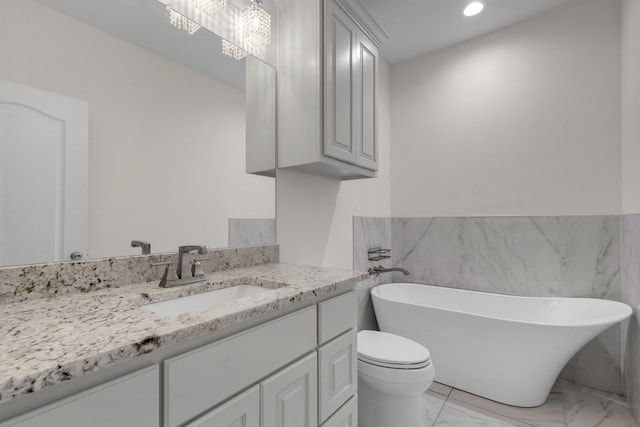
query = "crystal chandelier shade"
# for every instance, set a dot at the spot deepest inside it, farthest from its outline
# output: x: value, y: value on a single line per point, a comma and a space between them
x: 181, y: 22
x: 256, y: 25
x: 208, y: 7
x: 232, y: 50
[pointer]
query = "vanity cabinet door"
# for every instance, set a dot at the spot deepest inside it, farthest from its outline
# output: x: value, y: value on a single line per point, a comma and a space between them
x: 290, y: 397
x: 131, y: 400
x: 338, y: 373
x: 241, y: 411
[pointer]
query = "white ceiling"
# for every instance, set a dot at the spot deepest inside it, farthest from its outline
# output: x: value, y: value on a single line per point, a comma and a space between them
x: 415, y: 27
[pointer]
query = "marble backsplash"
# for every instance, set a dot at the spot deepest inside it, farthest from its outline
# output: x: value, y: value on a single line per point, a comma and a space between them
x: 569, y: 256
x: 251, y: 232
x: 25, y: 282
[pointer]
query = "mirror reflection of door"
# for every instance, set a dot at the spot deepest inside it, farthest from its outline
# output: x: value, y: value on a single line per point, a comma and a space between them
x: 43, y: 175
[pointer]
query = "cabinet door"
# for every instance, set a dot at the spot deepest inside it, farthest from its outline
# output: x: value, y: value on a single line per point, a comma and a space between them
x: 132, y: 400
x: 290, y: 397
x: 242, y: 411
x: 338, y: 373
x: 366, y: 103
x: 340, y: 37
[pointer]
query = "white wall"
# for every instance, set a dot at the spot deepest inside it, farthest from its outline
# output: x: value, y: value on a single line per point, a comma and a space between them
x: 631, y: 106
x: 167, y: 149
x: 314, y: 214
x: 524, y: 121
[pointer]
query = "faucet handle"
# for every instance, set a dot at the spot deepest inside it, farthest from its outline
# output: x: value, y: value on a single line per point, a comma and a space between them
x: 196, y: 269
x: 169, y: 275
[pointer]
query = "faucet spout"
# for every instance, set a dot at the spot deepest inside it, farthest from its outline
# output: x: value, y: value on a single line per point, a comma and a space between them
x: 146, y: 246
x: 380, y: 269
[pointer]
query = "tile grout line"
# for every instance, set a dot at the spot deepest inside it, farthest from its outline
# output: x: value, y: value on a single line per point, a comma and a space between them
x: 435, y: 419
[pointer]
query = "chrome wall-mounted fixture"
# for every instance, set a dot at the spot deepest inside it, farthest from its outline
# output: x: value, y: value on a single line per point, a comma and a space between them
x: 146, y: 246
x: 377, y: 254
x: 380, y: 269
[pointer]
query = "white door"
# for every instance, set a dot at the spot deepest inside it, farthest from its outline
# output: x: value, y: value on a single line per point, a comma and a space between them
x: 43, y: 176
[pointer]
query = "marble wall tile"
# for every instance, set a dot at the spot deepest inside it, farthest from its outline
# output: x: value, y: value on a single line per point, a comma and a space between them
x: 575, y: 256
x: 630, y: 272
x: 25, y: 282
x: 369, y: 233
x: 251, y: 232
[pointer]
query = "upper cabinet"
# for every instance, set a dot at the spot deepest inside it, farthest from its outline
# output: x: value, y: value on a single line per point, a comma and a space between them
x: 328, y: 88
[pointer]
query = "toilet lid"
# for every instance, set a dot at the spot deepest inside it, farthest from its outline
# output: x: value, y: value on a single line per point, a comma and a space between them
x: 389, y: 350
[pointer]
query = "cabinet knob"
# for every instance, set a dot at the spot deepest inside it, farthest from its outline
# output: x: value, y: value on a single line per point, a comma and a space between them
x: 75, y: 255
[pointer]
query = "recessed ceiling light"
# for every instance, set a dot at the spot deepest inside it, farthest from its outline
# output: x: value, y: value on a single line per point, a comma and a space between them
x: 474, y: 8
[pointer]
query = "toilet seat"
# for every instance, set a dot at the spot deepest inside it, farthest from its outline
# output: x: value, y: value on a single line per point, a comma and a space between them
x: 391, y: 351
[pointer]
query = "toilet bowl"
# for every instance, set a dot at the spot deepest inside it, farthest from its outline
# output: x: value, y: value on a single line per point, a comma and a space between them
x: 393, y: 371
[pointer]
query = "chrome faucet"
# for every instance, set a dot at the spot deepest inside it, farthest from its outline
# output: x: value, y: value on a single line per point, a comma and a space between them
x: 380, y: 269
x: 184, y: 275
x: 183, y: 266
x: 146, y: 246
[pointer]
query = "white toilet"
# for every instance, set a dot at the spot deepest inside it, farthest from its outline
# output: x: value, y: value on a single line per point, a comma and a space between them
x: 393, y: 371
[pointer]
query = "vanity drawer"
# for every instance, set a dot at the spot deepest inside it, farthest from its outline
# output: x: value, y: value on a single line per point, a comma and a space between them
x: 338, y: 373
x: 347, y: 416
x: 131, y: 400
x: 242, y: 410
x: 202, y: 378
x: 336, y: 316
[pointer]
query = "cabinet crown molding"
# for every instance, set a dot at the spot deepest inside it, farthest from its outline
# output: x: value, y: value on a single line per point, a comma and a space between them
x: 361, y: 14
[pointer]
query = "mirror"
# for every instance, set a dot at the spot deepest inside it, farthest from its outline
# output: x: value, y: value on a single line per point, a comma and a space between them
x: 166, y: 127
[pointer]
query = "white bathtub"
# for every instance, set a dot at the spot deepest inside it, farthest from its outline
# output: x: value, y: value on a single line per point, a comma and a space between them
x: 506, y: 348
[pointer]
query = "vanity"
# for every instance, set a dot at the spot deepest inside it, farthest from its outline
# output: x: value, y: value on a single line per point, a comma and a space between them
x: 285, y: 356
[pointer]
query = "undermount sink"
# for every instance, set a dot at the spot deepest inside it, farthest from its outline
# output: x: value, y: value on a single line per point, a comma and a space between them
x: 203, y: 301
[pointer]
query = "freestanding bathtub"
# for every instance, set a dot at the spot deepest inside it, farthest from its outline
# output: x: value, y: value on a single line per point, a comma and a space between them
x: 506, y: 348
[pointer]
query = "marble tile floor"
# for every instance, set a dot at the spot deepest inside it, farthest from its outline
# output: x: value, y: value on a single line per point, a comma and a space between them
x: 568, y: 405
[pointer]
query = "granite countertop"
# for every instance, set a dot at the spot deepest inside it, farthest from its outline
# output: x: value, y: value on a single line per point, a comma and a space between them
x: 52, y: 340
